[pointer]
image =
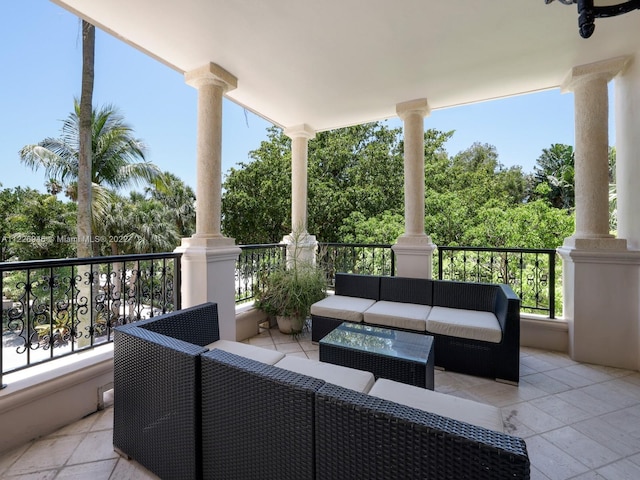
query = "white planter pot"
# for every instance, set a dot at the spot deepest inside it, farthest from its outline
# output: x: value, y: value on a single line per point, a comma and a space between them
x: 290, y: 325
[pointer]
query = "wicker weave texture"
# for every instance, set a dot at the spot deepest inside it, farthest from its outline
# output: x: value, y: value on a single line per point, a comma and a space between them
x: 382, y: 366
x: 157, y: 402
x: 407, y: 290
x: 322, y: 326
x: 257, y: 420
x: 363, y: 437
x: 197, y: 325
x: 363, y: 286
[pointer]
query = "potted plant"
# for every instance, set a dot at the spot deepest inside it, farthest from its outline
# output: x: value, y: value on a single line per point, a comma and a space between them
x: 288, y: 293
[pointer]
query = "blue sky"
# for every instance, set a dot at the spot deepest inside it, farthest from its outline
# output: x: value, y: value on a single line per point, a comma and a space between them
x: 40, y: 59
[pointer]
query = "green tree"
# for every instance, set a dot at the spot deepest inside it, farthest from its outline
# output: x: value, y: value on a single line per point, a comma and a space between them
x: 117, y: 157
x: 35, y: 225
x: 138, y: 225
x: 534, y: 224
x: 556, y: 168
x: 384, y: 228
x: 179, y: 199
x: 256, y: 203
x: 352, y: 169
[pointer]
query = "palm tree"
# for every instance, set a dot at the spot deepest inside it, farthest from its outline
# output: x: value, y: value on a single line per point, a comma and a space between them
x: 180, y: 199
x: 118, y: 158
x: 83, y: 174
x: 555, y: 167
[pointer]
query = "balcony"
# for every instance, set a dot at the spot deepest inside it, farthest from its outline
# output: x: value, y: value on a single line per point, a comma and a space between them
x: 579, y: 421
x: 576, y: 418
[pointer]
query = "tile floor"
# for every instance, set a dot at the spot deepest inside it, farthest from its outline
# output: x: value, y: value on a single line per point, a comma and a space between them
x: 579, y: 421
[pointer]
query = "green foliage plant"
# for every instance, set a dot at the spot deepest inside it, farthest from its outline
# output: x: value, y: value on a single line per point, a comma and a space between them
x: 289, y: 291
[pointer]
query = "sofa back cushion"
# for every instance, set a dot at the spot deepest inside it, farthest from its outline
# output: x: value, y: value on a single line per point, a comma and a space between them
x: 465, y: 295
x: 407, y: 290
x: 353, y: 285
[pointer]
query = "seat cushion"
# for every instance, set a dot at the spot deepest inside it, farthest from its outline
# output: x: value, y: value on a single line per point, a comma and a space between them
x: 342, y: 307
x: 409, y: 316
x: 460, y: 409
x: 472, y: 324
x: 252, y: 352
x: 346, y: 377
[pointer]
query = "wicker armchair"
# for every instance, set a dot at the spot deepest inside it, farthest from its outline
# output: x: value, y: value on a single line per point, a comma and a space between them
x: 157, y: 391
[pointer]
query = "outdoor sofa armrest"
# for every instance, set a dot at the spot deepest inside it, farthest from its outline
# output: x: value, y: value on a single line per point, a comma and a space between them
x: 157, y: 401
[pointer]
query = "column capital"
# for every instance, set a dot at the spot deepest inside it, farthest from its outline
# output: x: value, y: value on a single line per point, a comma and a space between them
x: 606, y: 69
x: 297, y: 131
x: 419, y: 106
x: 211, y: 74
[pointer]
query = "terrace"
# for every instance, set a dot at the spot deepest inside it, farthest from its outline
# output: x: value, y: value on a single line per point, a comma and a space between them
x: 579, y: 421
x: 578, y: 397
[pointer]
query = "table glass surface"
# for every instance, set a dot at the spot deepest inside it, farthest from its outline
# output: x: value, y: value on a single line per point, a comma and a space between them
x: 381, y: 341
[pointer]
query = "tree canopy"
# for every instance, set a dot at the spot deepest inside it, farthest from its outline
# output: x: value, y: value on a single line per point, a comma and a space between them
x: 356, y: 192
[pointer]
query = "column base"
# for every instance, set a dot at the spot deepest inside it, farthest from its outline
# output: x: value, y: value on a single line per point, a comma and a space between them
x: 414, y: 256
x: 601, y: 300
x: 208, y: 275
x: 596, y: 243
x: 301, y: 247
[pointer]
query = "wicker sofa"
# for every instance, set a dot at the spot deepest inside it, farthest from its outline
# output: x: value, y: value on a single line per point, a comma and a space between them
x: 476, y: 326
x: 185, y: 411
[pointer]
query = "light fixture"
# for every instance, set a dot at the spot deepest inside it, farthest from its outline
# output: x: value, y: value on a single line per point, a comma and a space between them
x: 588, y: 12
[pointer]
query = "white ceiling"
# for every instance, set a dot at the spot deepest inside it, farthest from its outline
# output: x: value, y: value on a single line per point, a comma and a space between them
x: 333, y: 63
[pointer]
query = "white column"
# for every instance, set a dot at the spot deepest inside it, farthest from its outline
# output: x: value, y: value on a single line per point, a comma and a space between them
x: 627, y: 110
x: 300, y: 245
x: 209, y: 258
x: 300, y: 137
x: 212, y: 82
x: 601, y: 278
x: 414, y: 248
x: 589, y: 84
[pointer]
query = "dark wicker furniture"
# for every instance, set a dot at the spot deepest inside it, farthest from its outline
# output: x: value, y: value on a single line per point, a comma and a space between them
x: 157, y: 390
x: 486, y: 359
x: 405, y: 357
x: 257, y: 420
x: 185, y: 412
x: 362, y: 437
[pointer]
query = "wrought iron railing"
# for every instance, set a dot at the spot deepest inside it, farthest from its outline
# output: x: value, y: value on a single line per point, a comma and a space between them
x: 532, y: 273
x: 364, y: 258
x: 254, y: 263
x: 53, y: 308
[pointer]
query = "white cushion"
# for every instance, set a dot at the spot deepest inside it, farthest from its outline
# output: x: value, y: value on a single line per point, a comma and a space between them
x: 342, y: 307
x: 460, y: 409
x: 346, y: 377
x: 409, y: 316
x: 461, y: 323
x: 252, y: 352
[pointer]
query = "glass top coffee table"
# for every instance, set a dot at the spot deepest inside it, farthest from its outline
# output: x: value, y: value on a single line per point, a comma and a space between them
x: 392, y: 354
